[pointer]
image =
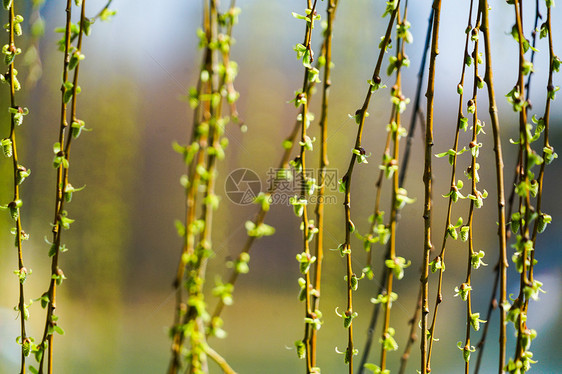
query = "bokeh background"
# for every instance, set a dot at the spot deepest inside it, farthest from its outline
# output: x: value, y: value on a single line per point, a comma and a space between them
x: 117, y: 303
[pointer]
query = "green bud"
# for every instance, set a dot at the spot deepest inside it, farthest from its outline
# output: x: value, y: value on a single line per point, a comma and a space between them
x: 7, y: 147
x: 14, y: 207
x: 543, y: 220
x: 21, y: 173
x: 301, y: 349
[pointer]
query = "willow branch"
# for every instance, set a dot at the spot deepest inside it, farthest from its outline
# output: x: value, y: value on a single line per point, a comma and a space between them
x: 439, y: 262
x: 360, y: 116
x: 62, y: 183
x: 198, y: 145
x: 502, y: 235
x: 259, y: 218
x: 219, y: 360
x: 399, y: 103
x: 10, y: 149
x: 427, y: 183
x: 323, y: 124
x: 525, y: 206
x: 402, y: 176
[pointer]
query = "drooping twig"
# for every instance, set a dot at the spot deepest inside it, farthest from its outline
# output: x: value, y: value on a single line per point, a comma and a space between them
x: 70, y: 90
x: 345, y: 185
x: 10, y: 149
x: 525, y: 207
x: 438, y: 264
x: 474, y: 258
x: 319, y: 253
x: 427, y: 176
x: 412, y: 336
x: 402, y: 177
x: 538, y: 16
x: 194, y: 157
x: 399, y: 198
x: 215, y: 86
x: 533, y: 287
x: 501, y: 267
x: 300, y: 201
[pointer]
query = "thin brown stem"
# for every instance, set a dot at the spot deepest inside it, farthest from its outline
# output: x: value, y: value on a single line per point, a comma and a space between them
x: 427, y: 176
x: 304, y: 180
x: 454, y: 192
x: 471, y: 252
x: 62, y: 183
x: 412, y: 336
x: 203, y: 251
x: 399, y: 102
x: 417, y: 115
x: 16, y: 203
x: 360, y: 116
x: 196, y: 160
x: 275, y: 180
x: 500, y: 189
x: 219, y: 360
x: 547, y: 148
x: 525, y: 203
x: 324, y: 163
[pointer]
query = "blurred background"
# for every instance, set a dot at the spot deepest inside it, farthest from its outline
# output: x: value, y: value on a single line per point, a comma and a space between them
x: 117, y: 303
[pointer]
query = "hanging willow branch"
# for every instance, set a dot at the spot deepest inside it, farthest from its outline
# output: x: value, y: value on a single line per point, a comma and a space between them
x: 427, y: 176
x: 399, y: 199
x: 502, y: 262
x: 20, y: 173
x: 307, y: 185
x: 359, y: 155
x: 416, y: 114
x: 256, y: 227
x: 215, y: 85
x: 319, y: 253
x: 71, y: 127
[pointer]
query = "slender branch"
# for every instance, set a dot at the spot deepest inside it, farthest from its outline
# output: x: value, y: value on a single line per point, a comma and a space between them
x: 281, y: 173
x: 412, y: 336
x: 203, y: 249
x: 538, y: 16
x: 533, y: 287
x: 9, y: 146
x: 548, y: 150
x: 402, y: 176
x: 502, y: 235
x: 525, y: 206
x: 427, y: 176
x: 454, y: 193
x: 323, y: 124
x: 472, y: 320
x: 397, y: 264
x: 202, y: 156
x: 360, y: 116
x: 492, y: 305
x: 219, y: 360
x: 63, y: 188
x: 195, y: 160
x: 416, y: 105
x: 305, y: 258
